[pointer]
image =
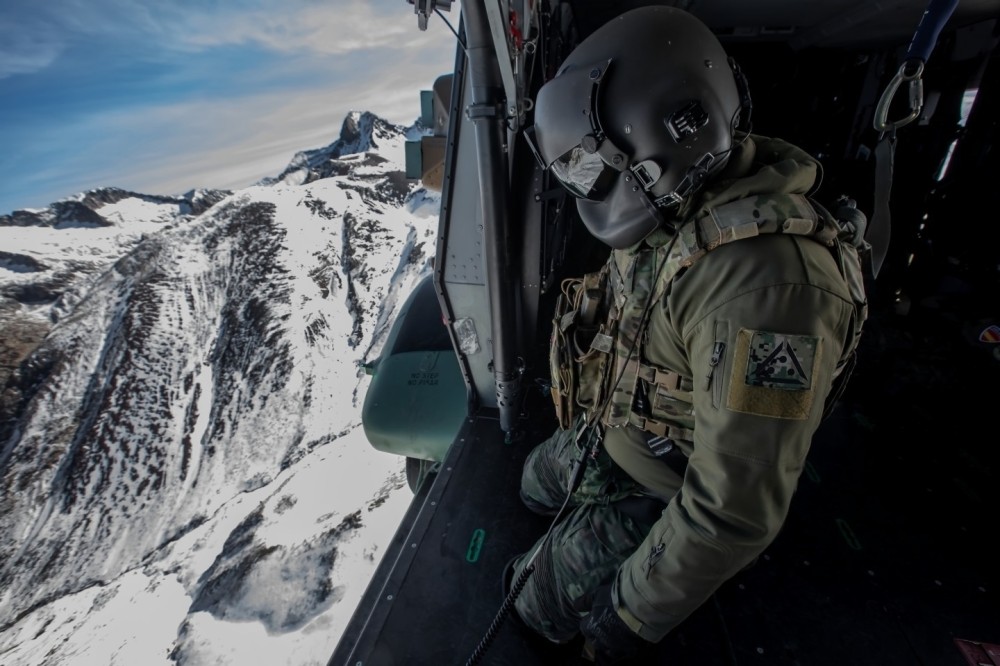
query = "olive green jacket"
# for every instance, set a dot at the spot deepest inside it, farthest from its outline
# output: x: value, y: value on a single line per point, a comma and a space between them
x: 784, y: 317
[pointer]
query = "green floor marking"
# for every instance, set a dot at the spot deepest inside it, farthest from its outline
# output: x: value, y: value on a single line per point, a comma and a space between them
x: 475, y: 545
x: 848, y: 534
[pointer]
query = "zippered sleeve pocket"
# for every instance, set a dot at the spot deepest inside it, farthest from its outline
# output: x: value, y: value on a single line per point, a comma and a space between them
x: 715, y: 376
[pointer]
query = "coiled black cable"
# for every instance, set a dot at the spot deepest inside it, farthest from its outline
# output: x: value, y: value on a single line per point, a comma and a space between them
x: 518, y: 585
x: 505, y: 608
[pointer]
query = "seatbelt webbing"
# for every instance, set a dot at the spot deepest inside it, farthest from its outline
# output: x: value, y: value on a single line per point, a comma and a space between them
x: 879, y: 229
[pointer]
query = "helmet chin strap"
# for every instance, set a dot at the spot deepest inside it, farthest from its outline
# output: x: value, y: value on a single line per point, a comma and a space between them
x: 694, y: 178
x: 663, y: 206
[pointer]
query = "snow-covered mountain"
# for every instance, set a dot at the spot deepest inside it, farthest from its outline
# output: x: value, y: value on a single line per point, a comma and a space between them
x: 184, y: 476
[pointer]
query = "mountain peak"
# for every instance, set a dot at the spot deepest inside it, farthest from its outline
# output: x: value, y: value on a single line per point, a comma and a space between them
x: 356, y: 131
x: 360, y: 133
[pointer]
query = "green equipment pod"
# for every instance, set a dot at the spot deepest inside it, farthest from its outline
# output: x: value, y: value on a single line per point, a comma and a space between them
x: 417, y: 399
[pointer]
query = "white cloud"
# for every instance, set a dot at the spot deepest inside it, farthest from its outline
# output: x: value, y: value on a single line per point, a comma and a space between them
x: 330, y: 29
x: 231, y: 143
x: 329, y: 58
x: 31, y: 35
x: 27, y: 48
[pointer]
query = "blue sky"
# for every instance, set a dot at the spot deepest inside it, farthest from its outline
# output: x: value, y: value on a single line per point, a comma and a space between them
x: 162, y: 96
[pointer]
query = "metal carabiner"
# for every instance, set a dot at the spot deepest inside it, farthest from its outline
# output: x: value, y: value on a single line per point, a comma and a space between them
x: 916, y: 92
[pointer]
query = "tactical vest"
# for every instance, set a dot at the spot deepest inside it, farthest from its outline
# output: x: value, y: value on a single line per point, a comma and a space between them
x: 596, y: 356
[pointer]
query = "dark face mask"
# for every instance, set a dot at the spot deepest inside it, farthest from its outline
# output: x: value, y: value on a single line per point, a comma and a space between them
x: 623, y: 218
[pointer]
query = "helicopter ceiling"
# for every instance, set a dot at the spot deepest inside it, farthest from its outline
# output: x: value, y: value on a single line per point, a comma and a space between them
x: 830, y: 24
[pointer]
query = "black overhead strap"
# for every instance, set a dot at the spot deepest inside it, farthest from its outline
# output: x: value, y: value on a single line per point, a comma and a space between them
x: 924, y: 38
x: 879, y: 229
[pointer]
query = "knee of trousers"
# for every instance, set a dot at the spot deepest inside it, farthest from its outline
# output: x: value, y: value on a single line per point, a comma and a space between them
x: 584, y: 552
x: 545, y: 475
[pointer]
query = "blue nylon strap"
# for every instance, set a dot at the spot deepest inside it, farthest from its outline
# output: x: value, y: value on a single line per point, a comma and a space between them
x: 931, y: 23
x: 925, y: 37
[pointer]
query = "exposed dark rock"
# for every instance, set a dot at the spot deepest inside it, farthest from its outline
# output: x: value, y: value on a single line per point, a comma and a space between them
x: 19, y: 338
x: 395, y: 188
x: 33, y: 294
x: 20, y: 263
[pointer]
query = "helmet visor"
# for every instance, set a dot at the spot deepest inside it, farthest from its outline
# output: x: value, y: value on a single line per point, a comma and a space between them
x: 567, y: 137
x: 566, y: 111
x: 583, y: 173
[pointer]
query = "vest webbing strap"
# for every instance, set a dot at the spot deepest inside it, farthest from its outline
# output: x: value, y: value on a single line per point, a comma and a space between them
x: 665, y: 378
x: 660, y: 428
x: 753, y: 216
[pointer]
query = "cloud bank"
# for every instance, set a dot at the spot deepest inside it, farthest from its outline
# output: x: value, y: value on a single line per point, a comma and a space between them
x: 163, y: 97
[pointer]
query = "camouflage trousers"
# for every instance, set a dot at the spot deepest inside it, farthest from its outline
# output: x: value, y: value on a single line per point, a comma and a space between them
x: 587, y: 546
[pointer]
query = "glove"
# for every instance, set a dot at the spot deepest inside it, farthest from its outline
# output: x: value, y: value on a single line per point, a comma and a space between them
x: 607, y: 635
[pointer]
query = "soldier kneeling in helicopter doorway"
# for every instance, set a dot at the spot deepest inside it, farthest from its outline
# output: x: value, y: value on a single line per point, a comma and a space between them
x: 692, y: 371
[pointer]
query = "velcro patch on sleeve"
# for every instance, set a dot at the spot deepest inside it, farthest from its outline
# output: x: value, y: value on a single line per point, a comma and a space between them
x: 773, y: 374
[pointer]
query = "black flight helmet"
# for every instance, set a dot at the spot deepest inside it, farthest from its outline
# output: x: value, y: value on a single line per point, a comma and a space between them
x: 638, y: 117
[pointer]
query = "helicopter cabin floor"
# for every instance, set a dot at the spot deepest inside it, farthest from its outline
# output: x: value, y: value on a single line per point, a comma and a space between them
x: 887, y: 556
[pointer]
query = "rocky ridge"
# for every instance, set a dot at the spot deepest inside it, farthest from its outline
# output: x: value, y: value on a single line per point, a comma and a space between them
x: 194, y: 352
